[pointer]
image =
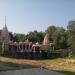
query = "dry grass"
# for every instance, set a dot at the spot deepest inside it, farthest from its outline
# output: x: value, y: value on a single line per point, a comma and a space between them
x: 61, y: 65
x: 53, y: 64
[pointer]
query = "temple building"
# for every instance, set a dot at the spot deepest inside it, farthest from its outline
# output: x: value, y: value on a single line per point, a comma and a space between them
x: 34, y: 50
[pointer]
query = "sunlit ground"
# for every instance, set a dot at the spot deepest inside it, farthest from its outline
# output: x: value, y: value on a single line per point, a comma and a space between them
x: 66, y: 66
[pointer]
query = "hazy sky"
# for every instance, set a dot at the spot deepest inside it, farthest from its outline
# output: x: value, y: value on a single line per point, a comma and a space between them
x: 28, y: 15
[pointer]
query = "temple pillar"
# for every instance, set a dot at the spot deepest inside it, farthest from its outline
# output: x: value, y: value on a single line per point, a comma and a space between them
x: 34, y: 49
x: 17, y: 48
x: 12, y: 48
x: 25, y: 47
x: 29, y: 47
x: 40, y: 54
x: 53, y: 47
x: 22, y: 48
x: 34, y: 53
x: 48, y: 54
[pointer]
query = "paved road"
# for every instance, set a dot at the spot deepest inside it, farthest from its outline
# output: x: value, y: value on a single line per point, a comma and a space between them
x: 33, y: 71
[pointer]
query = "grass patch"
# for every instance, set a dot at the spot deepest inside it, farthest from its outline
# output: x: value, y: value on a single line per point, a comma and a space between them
x: 55, y: 51
x: 66, y: 72
x: 61, y: 65
x: 10, y: 64
x: 72, y: 57
x: 5, y: 66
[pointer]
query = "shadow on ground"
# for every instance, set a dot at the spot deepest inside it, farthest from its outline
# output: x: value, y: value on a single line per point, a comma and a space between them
x: 30, y: 58
x: 5, y: 66
x: 66, y: 72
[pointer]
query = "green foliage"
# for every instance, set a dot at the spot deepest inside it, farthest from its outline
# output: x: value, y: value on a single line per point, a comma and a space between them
x: 71, y: 37
x: 55, y: 51
x: 35, y: 36
x: 60, y: 39
x: 31, y: 36
x: 66, y: 72
x: 19, y: 37
x: 50, y: 30
x: 0, y: 48
x: 11, y: 36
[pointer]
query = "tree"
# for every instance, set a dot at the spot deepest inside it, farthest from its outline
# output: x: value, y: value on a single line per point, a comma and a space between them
x: 19, y: 37
x: 60, y: 38
x: 50, y: 30
x: 71, y: 36
x: 35, y: 36
x: 11, y: 36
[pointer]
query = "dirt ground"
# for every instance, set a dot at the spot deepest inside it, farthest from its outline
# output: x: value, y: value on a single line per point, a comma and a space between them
x: 52, y: 64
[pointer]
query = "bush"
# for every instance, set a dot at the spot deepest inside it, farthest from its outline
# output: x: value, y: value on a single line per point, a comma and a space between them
x: 0, y: 48
x: 55, y: 53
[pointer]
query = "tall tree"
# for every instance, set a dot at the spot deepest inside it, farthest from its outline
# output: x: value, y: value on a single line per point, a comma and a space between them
x: 19, y: 37
x: 35, y: 36
x: 71, y: 36
x: 50, y: 30
x: 11, y: 36
x: 60, y: 38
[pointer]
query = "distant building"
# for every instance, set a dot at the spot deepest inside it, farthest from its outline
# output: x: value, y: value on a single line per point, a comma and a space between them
x: 71, y: 25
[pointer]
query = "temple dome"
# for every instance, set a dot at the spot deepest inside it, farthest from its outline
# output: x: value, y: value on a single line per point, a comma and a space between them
x: 46, y: 40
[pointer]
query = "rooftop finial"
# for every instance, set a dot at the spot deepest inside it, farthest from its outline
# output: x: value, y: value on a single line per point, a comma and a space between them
x: 5, y: 20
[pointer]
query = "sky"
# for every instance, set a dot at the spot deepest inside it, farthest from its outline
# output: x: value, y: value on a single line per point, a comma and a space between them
x: 23, y: 16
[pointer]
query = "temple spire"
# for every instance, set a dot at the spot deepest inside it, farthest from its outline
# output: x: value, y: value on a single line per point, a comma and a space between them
x: 5, y: 33
x: 46, y: 40
x: 5, y: 21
